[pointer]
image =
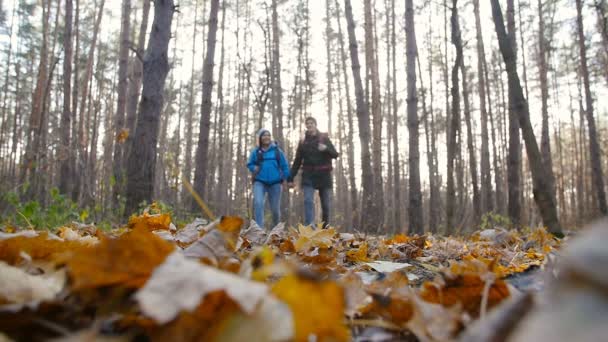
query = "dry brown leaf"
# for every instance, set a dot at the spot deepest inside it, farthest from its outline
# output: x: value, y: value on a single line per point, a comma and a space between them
x: 127, y: 260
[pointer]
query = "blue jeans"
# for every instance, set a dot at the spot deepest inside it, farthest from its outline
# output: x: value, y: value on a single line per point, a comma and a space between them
x: 309, y: 204
x: 274, y: 197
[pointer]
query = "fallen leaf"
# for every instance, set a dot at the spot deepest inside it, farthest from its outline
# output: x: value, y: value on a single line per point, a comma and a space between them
x: 317, y: 307
x: 150, y: 222
x: 179, y: 284
x: 127, y: 260
x: 19, y: 287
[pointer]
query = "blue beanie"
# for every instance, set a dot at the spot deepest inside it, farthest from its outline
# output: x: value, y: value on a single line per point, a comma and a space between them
x: 259, y: 135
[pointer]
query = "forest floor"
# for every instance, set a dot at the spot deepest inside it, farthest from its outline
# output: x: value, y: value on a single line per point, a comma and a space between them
x: 228, y: 280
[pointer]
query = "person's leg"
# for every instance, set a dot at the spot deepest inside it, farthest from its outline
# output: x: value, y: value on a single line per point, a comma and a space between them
x: 274, y: 197
x: 258, y: 203
x: 309, y: 204
x: 325, y: 195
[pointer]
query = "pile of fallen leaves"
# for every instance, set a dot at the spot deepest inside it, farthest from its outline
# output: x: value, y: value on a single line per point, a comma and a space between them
x: 228, y: 280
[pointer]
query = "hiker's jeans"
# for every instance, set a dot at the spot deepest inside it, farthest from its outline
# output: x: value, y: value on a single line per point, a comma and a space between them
x: 309, y: 204
x: 274, y: 198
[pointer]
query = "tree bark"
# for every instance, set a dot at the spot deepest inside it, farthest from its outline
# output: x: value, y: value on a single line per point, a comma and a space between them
x: 376, y: 114
x: 486, y: 175
x: 202, y: 150
x: 140, y: 168
x: 541, y: 187
x: 119, y: 121
x: 455, y: 119
x: 349, y: 111
x: 416, y: 220
x: 65, y: 173
x: 514, y: 157
x: 470, y: 146
x: 135, y: 79
x: 367, y: 223
x: 594, y: 147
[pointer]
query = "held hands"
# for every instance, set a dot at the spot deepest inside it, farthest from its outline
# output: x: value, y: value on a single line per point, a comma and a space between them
x: 322, y: 147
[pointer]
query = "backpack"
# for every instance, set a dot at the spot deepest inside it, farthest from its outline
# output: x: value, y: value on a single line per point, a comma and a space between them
x: 260, y: 159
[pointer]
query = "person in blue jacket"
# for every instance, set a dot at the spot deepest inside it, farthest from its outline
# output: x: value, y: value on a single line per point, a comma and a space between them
x: 269, y: 171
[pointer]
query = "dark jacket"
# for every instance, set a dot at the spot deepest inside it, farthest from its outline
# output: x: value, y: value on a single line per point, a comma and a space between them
x: 316, y: 165
x: 272, y: 170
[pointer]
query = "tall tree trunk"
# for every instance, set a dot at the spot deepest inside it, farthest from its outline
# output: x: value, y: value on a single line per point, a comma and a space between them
x: 486, y: 175
x: 123, y: 82
x: 541, y: 188
x: 82, y: 132
x: 140, y: 168
x: 349, y: 111
x: 416, y: 218
x: 367, y: 222
x: 66, y: 115
x: 187, y: 172
x: 135, y: 80
x: 277, y: 93
x: 455, y: 119
x: 376, y: 113
x: 594, y: 147
x: 514, y: 158
x: 602, y: 22
x: 470, y: 147
x: 35, y: 121
x: 202, y: 150
x: 543, y: 52
x: 395, y: 124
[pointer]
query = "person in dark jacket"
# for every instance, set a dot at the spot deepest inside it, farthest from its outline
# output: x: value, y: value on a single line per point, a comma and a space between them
x: 269, y: 170
x: 314, y: 155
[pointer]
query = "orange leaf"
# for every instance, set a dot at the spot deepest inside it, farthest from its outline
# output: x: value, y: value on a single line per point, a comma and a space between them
x: 38, y: 247
x: 317, y: 307
x: 127, y: 260
x: 150, y: 222
x: 466, y: 289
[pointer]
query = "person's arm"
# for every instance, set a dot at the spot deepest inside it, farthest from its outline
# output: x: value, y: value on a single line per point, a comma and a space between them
x: 295, y: 166
x: 284, y: 166
x: 331, y: 150
x: 251, y: 164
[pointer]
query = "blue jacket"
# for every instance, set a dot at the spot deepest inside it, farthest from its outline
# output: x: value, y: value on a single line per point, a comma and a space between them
x: 271, y: 171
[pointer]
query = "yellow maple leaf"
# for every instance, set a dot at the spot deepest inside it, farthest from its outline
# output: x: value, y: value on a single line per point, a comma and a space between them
x: 317, y: 307
x: 359, y: 254
x: 310, y: 237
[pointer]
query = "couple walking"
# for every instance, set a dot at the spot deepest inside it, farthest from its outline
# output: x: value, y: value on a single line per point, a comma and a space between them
x: 270, y: 171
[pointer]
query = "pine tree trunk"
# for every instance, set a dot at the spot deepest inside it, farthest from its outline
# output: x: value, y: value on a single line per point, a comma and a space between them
x: 123, y: 80
x: 135, y: 80
x: 416, y: 220
x: 376, y: 114
x: 395, y: 125
x: 543, y: 52
x: 455, y: 119
x: 354, y: 217
x: 541, y: 187
x: 37, y: 110
x: 140, y: 167
x: 66, y: 115
x: 470, y: 147
x: 594, y: 147
x: 367, y: 217
x: 514, y: 157
x: 486, y: 175
x: 202, y: 150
